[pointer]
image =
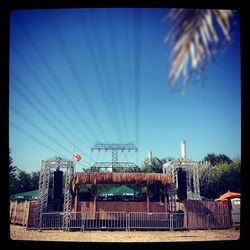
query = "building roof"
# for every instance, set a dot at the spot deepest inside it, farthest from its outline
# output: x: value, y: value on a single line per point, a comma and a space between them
x: 26, y: 195
x: 119, y: 178
x: 31, y: 195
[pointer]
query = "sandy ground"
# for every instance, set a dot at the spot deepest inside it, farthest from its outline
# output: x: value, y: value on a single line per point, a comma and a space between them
x: 20, y: 233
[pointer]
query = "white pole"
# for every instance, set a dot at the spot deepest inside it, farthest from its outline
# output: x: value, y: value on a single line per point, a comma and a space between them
x: 183, y: 149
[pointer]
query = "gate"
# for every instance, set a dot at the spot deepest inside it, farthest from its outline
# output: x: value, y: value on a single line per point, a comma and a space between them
x: 52, y: 220
x: 144, y: 220
x: 105, y: 220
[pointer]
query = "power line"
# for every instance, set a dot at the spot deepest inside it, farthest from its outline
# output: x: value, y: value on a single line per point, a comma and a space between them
x: 117, y: 70
x: 53, y: 75
x: 103, y: 60
x: 35, y: 139
x: 72, y: 67
x: 40, y: 142
x: 38, y: 110
x: 42, y: 105
x: 38, y: 128
x: 96, y: 66
x: 137, y: 31
x: 44, y: 87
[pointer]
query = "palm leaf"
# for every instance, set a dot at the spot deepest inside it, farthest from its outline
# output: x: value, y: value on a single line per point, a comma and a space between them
x: 194, y: 38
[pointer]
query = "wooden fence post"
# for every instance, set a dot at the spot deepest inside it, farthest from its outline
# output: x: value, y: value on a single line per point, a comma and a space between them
x: 15, y: 212
x: 28, y: 213
x: 24, y: 213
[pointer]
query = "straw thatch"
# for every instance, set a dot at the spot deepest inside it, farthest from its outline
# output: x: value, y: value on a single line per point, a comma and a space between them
x: 119, y: 178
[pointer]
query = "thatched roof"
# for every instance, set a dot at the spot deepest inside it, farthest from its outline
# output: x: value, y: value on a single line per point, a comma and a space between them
x: 119, y: 178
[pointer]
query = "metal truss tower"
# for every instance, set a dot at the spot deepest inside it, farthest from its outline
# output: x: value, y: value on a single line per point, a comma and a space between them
x: 47, y: 165
x: 114, y: 148
x: 191, y: 168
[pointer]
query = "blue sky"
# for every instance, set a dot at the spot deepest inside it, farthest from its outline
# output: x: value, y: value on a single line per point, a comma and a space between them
x: 81, y: 76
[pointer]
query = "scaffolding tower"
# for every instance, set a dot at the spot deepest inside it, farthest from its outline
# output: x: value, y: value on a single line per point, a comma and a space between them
x: 47, y: 165
x: 191, y: 168
x: 114, y: 148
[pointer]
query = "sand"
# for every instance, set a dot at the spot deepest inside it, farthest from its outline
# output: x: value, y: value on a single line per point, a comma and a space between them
x: 20, y: 233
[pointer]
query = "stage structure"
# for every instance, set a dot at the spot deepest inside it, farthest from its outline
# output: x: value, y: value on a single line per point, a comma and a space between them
x: 55, y: 163
x: 114, y: 165
x: 185, y: 177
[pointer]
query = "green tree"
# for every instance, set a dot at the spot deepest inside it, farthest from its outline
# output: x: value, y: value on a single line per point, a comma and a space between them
x: 155, y: 165
x: 34, y: 182
x: 218, y: 179
x: 228, y: 177
x: 25, y: 181
x: 208, y: 182
x: 214, y: 159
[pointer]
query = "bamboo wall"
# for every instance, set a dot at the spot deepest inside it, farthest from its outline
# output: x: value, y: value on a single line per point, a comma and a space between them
x: 32, y: 219
x: 23, y: 213
x: 19, y: 212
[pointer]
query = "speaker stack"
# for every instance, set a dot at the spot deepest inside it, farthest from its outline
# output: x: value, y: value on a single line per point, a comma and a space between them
x: 57, y: 191
x: 182, y: 184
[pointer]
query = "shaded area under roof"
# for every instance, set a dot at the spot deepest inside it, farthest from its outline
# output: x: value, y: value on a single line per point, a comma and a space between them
x: 121, y: 190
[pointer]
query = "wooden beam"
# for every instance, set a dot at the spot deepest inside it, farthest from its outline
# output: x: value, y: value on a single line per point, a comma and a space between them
x: 76, y: 201
x: 94, y: 192
x: 147, y: 203
x: 165, y: 203
x: 147, y: 198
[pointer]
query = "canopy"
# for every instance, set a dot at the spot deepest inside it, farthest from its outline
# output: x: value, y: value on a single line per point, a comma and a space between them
x: 229, y: 195
x: 121, y: 190
x: 25, y: 196
x: 31, y: 195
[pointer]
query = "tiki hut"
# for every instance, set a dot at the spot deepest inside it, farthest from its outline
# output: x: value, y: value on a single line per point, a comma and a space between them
x: 153, y: 182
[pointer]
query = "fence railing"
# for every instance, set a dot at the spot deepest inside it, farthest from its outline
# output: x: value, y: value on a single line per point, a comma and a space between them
x: 105, y: 220
x: 144, y: 220
x: 218, y: 221
x: 114, y: 220
x: 235, y: 217
x: 139, y: 220
x: 52, y: 220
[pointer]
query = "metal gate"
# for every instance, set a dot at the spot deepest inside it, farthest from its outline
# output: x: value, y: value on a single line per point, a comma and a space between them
x: 143, y: 220
x: 134, y: 221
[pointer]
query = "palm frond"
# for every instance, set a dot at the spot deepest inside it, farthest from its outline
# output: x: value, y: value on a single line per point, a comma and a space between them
x: 195, y: 36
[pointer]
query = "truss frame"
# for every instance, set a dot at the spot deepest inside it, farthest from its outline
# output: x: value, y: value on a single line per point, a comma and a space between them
x: 46, y: 166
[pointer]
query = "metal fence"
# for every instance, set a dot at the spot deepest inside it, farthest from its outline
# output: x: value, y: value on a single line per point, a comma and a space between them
x: 165, y: 221
x: 235, y: 217
x: 144, y: 220
x: 105, y: 220
x: 52, y: 220
x: 139, y: 221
